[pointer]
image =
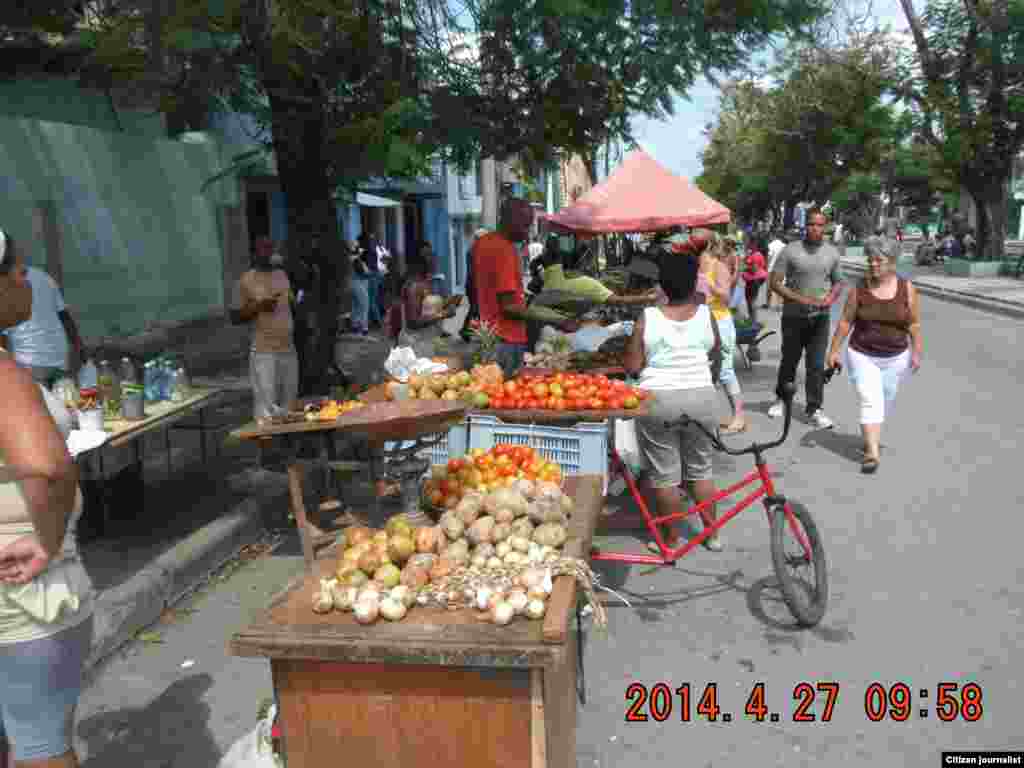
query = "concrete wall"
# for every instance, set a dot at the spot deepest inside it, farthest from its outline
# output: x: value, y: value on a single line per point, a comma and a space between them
x: 121, y: 218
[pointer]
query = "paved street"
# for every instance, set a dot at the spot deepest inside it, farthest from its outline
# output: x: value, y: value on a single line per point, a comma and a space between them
x: 921, y: 593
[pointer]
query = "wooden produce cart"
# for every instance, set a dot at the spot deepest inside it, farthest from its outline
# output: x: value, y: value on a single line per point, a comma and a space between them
x: 377, y: 422
x: 440, y: 687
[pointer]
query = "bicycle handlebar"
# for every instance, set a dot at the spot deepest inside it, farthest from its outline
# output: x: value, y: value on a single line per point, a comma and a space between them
x: 788, y: 391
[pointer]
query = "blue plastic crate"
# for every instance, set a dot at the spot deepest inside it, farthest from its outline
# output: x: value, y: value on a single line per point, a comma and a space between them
x: 578, y: 450
x: 452, y: 446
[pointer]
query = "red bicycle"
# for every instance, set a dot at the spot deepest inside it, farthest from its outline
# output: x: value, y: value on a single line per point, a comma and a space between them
x: 795, y: 542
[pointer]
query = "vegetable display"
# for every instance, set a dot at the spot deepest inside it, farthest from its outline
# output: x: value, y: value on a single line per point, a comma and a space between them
x: 486, y: 471
x: 564, y: 391
x: 496, y: 552
x: 330, y: 410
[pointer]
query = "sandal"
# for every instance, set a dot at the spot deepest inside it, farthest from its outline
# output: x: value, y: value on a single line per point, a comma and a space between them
x: 671, y: 540
x: 869, y: 466
x: 734, y: 429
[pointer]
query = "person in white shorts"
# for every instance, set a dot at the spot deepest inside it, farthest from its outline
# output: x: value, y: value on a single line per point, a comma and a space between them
x: 886, y: 343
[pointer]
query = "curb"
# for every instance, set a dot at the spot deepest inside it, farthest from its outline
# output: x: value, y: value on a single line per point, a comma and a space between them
x: 121, y: 612
x: 993, y: 306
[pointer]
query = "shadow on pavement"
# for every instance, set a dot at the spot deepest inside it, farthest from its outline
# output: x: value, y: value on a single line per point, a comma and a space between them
x: 171, y: 731
x: 842, y: 444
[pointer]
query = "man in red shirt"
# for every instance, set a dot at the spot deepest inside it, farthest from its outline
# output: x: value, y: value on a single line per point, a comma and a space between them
x: 498, y: 281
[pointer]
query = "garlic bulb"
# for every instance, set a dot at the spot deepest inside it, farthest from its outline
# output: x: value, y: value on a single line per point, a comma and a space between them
x: 502, y: 613
x: 517, y: 599
x: 366, y: 611
x: 535, y: 609
x: 483, y: 598
x: 392, y: 609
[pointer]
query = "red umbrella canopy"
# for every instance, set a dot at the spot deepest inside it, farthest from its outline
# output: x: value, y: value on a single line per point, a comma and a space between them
x: 640, y: 196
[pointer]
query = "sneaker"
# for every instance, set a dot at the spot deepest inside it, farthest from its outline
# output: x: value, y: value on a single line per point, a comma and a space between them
x: 775, y: 410
x: 820, y: 420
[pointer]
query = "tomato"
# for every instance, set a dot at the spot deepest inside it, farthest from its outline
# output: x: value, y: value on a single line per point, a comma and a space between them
x: 451, y: 487
x: 615, y: 404
x: 596, y: 403
x: 559, y: 404
x: 540, y: 390
x: 454, y: 465
x: 510, y: 387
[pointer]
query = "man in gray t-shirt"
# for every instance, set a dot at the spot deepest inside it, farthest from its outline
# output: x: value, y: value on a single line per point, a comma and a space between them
x: 807, y: 275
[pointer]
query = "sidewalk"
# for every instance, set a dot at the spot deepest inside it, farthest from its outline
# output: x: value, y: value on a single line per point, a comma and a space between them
x: 998, y: 295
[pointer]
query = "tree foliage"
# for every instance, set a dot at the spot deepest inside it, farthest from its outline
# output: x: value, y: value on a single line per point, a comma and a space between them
x: 964, y: 82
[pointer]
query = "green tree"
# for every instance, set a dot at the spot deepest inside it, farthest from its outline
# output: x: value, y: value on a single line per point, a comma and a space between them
x: 965, y: 85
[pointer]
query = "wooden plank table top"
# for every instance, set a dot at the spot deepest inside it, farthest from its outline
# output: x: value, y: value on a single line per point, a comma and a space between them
x: 405, y: 420
x: 158, y: 416
x: 289, y: 629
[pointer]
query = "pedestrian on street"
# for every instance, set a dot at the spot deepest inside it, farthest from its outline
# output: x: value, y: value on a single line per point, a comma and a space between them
x: 498, y: 281
x: 813, y: 275
x: 47, y: 344
x: 675, y: 352
x: 885, y: 344
x: 370, y: 248
x: 715, y: 259
x: 755, y: 274
x: 273, y: 364
x: 46, y: 598
x: 360, y: 290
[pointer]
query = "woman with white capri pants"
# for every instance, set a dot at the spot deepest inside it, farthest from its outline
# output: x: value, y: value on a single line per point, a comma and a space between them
x: 884, y: 315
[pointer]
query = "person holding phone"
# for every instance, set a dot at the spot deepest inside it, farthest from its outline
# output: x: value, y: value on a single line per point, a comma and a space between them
x: 273, y: 363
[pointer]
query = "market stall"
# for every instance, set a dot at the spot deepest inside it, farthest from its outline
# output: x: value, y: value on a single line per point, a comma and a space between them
x: 443, y: 684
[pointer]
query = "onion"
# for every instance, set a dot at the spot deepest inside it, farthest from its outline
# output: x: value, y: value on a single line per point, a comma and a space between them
x: 322, y: 600
x: 502, y: 613
x: 404, y: 595
x: 518, y: 600
x: 344, y: 597
x: 392, y: 609
x: 502, y: 549
x: 520, y: 544
x: 368, y: 593
x: 366, y: 611
x: 478, y: 561
x: 535, y: 609
x: 513, y: 558
x: 494, y: 562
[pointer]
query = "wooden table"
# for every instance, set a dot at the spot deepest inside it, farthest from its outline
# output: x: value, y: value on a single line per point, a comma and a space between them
x: 164, y: 416
x: 377, y: 422
x: 438, y: 688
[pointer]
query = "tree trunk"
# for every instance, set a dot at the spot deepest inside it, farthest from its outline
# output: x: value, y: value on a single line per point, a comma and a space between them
x: 312, y: 234
x: 990, y: 200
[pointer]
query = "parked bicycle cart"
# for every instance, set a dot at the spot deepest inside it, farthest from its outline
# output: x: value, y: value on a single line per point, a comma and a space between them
x: 798, y: 555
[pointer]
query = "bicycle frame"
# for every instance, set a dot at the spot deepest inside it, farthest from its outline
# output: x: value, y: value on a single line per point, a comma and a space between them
x: 765, y: 490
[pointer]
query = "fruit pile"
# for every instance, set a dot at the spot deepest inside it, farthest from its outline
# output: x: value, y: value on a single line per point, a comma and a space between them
x: 563, y: 392
x: 485, y: 471
x: 439, y: 386
x: 331, y: 410
x: 497, y: 551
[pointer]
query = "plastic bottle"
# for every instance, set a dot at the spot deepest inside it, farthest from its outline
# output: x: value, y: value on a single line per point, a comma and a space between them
x: 150, y: 382
x: 88, y: 377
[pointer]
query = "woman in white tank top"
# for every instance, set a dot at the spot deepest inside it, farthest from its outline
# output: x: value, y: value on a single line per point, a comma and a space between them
x: 675, y: 351
x: 45, y: 597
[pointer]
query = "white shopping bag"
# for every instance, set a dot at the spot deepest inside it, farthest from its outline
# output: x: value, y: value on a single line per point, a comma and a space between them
x: 254, y: 750
x: 628, y: 447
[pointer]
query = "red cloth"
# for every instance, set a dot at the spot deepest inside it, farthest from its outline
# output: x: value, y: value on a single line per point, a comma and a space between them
x: 497, y: 269
x: 755, y: 268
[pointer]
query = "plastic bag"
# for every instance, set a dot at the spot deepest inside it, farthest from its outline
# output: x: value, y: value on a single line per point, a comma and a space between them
x: 255, y: 749
x: 628, y: 447
x: 403, y: 362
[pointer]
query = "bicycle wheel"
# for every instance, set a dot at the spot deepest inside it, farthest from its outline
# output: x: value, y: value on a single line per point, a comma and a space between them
x: 803, y: 579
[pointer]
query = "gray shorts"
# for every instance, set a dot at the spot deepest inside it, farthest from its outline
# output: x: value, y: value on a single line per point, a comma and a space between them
x: 679, y: 453
x: 275, y: 382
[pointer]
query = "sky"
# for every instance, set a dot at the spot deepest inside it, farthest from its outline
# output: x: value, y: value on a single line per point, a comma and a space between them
x: 676, y: 143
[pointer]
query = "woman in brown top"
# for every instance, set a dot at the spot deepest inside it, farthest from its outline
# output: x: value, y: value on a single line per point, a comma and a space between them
x: 886, y: 340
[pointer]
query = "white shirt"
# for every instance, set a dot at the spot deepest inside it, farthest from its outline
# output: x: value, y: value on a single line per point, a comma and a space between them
x: 677, y: 351
x: 41, y: 340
